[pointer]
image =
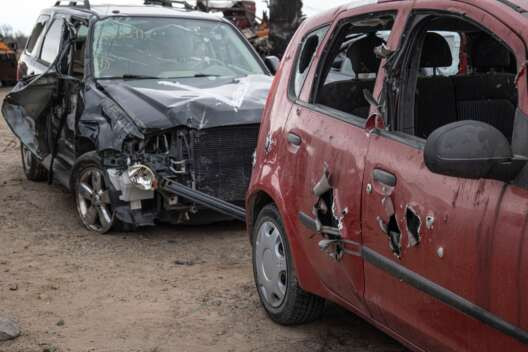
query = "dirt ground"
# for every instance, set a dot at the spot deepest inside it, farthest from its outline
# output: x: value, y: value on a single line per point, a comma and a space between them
x: 160, y: 289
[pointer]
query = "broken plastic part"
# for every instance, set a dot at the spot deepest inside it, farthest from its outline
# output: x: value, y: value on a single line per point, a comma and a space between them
x: 413, y: 226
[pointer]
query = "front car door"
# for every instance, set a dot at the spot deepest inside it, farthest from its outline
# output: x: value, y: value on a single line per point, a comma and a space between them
x: 431, y: 242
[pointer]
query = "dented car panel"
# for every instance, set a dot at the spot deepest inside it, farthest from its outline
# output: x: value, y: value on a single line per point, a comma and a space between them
x: 436, y: 261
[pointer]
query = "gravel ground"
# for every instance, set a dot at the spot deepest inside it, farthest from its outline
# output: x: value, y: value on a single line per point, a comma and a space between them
x: 160, y: 289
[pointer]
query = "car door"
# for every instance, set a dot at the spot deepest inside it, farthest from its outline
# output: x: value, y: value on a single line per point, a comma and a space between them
x: 429, y: 242
x: 326, y: 148
x: 36, y: 108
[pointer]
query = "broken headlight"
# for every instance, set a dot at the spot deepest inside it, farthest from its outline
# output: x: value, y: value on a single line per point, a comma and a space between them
x: 142, y: 177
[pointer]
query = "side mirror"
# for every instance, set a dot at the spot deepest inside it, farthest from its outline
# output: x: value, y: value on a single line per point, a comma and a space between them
x: 272, y: 63
x: 473, y: 150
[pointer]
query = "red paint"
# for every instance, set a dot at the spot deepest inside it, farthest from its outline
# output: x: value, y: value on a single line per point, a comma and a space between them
x: 481, y: 224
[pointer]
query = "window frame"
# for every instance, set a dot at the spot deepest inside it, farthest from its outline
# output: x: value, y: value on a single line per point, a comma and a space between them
x: 61, y: 41
x: 409, y: 34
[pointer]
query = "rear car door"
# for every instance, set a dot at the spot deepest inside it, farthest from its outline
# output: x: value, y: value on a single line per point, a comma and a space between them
x: 430, y: 241
x: 327, y: 146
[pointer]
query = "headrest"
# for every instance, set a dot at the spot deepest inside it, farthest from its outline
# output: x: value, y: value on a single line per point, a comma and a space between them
x: 488, y: 53
x: 436, y: 51
x: 362, y: 56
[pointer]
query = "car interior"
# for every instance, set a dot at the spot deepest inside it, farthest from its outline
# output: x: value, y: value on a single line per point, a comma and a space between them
x: 464, y: 73
x: 77, y: 67
x: 352, y: 66
x: 482, y: 88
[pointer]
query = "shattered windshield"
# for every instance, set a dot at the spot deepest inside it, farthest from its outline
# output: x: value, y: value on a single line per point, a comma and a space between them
x: 139, y: 47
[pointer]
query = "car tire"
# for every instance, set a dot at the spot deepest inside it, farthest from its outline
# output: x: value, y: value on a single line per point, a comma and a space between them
x: 33, y: 169
x: 284, y: 300
x: 93, y: 198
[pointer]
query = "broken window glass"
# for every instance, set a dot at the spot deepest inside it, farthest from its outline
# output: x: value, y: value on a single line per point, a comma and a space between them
x: 352, y: 65
x: 305, y: 58
x: 52, y: 42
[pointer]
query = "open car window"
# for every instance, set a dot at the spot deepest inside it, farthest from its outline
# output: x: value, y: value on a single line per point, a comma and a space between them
x: 458, y: 71
x: 169, y: 48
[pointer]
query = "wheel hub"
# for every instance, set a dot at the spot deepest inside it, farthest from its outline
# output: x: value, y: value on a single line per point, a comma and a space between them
x: 93, y: 201
x: 270, y: 264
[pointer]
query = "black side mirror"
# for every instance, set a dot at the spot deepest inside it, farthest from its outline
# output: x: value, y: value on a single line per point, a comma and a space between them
x: 473, y: 150
x: 272, y: 63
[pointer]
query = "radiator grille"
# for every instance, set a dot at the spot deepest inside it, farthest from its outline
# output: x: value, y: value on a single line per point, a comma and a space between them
x: 222, y: 161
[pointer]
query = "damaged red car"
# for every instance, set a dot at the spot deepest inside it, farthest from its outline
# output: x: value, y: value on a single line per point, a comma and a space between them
x: 391, y: 173
x: 147, y: 113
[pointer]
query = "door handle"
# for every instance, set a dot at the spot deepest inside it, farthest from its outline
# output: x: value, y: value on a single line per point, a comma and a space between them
x: 384, y: 177
x: 294, y: 139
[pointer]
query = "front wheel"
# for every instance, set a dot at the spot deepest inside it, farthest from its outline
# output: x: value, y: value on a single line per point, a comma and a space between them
x: 92, y: 198
x: 283, y: 299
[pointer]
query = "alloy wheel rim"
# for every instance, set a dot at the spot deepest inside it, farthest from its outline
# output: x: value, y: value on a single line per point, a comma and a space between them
x: 271, y: 264
x: 93, y: 201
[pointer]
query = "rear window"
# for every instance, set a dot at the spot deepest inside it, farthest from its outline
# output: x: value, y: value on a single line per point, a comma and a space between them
x: 52, y: 41
x: 36, y: 34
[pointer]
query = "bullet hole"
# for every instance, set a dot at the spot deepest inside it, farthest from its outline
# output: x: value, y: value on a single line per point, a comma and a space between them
x: 394, y: 233
x: 324, y: 208
x: 413, y: 226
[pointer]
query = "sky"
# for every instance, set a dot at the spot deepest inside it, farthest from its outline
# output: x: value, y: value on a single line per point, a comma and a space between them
x: 21, y: 14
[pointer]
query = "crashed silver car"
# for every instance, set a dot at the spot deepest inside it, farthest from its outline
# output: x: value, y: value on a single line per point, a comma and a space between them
x: 147, y: 113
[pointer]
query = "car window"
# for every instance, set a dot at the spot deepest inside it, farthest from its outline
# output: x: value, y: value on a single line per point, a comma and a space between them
x: 170, y: 48
x: 52, y: 41
x: 352, y: 65
x: 305, y: 57
x: 36, y: 34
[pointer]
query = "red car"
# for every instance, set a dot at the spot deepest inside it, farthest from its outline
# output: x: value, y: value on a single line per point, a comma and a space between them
x: 391, y: 173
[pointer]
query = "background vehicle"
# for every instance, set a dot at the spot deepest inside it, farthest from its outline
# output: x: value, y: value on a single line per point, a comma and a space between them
x: 141, y: 131
x: 391, y: 173
x: 8, y: 65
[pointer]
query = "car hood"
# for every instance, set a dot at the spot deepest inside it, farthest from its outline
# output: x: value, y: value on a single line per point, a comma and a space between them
x: 192, y: 102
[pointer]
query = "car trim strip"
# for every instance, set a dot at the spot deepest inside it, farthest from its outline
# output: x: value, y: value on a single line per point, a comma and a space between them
x: 444, y: 295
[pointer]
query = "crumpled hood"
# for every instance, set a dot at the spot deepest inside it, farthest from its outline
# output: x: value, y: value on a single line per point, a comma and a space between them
x: 193, y: 102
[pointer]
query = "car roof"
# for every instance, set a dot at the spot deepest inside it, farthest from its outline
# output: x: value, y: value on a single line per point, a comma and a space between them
x: 106, y: 10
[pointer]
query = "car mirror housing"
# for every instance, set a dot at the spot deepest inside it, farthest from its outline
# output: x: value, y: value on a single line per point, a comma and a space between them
x: 272, y: 63
x: 472, y: 150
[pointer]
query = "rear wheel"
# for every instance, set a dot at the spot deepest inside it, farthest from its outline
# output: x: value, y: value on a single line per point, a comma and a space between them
x: 283, y: 299
x: 33, y: 169
x: 92, y: 197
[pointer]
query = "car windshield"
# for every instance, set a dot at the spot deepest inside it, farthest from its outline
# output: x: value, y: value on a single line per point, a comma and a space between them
x: 139, y: 47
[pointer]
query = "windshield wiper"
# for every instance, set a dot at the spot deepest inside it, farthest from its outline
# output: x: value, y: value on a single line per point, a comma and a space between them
x: 200, y: 75
x: 130, y: 76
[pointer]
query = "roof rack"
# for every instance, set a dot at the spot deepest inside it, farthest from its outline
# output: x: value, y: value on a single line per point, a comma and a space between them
x: 85, y: 4
x: 168, y: 3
